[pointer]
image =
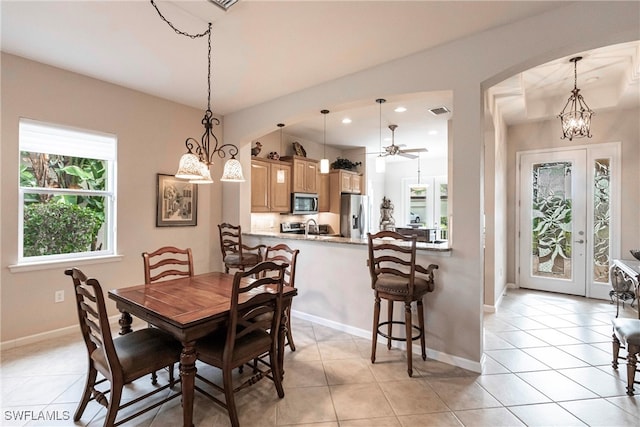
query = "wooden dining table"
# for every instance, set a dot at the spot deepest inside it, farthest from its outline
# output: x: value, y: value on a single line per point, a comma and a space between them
x: 188, y: 308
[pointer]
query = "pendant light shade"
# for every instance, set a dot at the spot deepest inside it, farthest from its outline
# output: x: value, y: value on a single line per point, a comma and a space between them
x: 232, y: 171
x: 324, y: 163
x: 381, y: 165
x: 189, y: 167
x: 576, y: 114
x: 205, y: 175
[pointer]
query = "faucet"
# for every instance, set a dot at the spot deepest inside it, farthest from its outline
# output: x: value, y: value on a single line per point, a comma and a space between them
x: 306, y: 226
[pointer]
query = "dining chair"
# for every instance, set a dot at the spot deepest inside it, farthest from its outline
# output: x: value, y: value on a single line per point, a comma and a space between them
x: 249, y: 334
x: 167, y: 261
x: 626, y: 334
x: 235, y: 254
x: 283, y: 253
x: 119, y: 361
x: 393, y: 271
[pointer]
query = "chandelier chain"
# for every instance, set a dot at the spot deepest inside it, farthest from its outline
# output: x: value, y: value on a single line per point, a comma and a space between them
x: 193, y: 36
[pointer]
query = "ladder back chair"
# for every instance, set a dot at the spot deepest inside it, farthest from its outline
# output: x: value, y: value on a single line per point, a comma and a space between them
x: 235, y: 254
x: 393, y: 268
x: 119, y: 361
x: 282, y: 253
x: 249, y: 334
x: 167, y: 262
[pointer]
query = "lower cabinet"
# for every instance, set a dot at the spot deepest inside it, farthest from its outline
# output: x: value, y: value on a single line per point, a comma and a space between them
x: 270, y: 186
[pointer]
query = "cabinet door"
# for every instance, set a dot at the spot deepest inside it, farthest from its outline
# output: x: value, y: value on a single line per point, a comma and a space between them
x: 323, y: 193
x: 356, y: 184
x: 260, y: 186
x: 345, y: 182
x: 280, y: 181
x: 299, y: 173
x: 311, y: 177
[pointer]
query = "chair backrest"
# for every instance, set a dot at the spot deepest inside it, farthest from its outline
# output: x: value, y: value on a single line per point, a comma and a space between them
x: 167, y: 261
x: 282, y: 253
x: 256, y: 304
x: 94, y: 322
x: 230, y: 239
x: 394, y: 254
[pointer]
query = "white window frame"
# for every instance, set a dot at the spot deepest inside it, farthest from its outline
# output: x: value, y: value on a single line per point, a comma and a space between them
x: 41, y: 137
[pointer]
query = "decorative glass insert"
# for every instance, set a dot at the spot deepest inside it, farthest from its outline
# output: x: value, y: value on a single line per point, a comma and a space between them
x: 552, y: 222
x: 601, y: 216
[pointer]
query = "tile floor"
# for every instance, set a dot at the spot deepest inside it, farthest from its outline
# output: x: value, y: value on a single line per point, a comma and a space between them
x: 548, y: 362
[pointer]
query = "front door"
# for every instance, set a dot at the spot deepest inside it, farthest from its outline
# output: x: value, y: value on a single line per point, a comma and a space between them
x: 565, y: 238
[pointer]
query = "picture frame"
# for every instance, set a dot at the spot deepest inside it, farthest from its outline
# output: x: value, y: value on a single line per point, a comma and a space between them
x: 176, y: 202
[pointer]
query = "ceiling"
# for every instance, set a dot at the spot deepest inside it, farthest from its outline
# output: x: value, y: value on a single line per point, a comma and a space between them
x: 265, y: 49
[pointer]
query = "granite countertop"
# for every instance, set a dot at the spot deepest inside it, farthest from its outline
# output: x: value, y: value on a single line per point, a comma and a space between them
x: 327, y: 238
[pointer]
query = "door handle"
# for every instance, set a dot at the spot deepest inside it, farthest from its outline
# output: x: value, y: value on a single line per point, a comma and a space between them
x: 579, y: 241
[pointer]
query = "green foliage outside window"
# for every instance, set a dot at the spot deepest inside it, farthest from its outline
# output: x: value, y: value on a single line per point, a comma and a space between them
x: 62, y: 223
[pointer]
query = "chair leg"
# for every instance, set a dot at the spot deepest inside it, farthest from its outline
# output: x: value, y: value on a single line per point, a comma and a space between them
x: 390, y: 325
x: 86, y: 396
x: 376, y: 320
x: 408, y: 331
x: 423, y: 343
x: 275, y: 368
x: 114, y: 405
x: 228, y: 396
x: 632, y: 361
x: 616, y: 351
x: 292, y: 345
x: 154, y: 378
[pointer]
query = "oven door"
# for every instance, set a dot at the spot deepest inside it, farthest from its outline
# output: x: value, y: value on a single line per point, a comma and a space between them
x: 303, y: 203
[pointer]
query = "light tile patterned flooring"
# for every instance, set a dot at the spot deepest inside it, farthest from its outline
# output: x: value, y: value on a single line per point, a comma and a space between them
x: 548, y: 362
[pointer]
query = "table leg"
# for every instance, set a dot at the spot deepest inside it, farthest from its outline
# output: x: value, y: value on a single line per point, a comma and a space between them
x: 188, y: 376
x: 284, y: 321
x: 125, y: 322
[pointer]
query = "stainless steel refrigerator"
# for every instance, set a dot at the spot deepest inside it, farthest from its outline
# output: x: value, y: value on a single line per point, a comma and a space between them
x: 353, y: 216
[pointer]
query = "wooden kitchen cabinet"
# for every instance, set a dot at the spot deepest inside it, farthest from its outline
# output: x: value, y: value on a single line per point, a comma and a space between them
x: 323, y: 193
x: 270, y: 186
x: 305, y: 174
x: 342, y: 181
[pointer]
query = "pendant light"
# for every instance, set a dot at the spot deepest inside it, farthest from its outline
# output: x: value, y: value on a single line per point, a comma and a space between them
x: 194, y: 164
x: 324, y: 163
x: 280, y: 175
x: 380, y: 162
x: 576, y: 115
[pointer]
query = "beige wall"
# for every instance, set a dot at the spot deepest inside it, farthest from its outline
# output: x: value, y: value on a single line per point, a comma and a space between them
x: 151, y: 133
x: 613, y: 126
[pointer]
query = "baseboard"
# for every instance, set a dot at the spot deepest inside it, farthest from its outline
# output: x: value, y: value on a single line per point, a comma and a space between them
x: 56, y: 333
x: 363, y: 333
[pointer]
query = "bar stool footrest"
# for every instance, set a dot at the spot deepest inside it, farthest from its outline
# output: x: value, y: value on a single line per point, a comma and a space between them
x: 397, y: 322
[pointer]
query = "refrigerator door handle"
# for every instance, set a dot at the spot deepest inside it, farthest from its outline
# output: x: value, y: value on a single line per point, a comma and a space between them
x: 360, y: 222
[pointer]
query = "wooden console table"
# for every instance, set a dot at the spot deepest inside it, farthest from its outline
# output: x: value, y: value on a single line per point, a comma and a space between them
x: 625, y: 278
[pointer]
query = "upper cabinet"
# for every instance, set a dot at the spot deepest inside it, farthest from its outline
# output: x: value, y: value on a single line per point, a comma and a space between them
x: 342, y: 181
x: 305, y: 174
x: 270, y: 186
x: 323, y: 193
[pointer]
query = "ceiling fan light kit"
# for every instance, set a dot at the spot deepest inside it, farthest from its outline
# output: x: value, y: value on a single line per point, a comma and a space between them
x: 393, y: 149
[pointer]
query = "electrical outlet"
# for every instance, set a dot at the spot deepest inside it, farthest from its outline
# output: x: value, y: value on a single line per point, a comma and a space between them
x: 59, y: 296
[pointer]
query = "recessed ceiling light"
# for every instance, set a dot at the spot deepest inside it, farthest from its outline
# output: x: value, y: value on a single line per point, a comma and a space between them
x: 346, y: 120
x: 433, y: 132
x: 400, y: 109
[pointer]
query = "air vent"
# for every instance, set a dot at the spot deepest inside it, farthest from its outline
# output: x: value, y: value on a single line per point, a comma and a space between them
x: 225, y: 4
x: 439, y: 110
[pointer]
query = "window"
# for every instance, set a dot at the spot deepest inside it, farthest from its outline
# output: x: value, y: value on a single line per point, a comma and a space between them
x: 67, y: 193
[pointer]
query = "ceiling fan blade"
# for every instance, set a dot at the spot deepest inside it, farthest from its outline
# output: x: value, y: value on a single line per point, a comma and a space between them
x: 407, y: 155
x: 415, y: 150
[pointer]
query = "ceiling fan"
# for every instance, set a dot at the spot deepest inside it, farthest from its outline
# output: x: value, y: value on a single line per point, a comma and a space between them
x: 394, y: 149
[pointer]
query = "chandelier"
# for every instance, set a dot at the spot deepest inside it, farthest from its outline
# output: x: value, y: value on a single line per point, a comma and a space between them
x: 576, y: 115
x: 195, y: 163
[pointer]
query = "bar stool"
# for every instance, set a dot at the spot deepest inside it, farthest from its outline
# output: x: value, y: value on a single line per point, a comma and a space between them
x: 235, y: 254
x: 393, y: 268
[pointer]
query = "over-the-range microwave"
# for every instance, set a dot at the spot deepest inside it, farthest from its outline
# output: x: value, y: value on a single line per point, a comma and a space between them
x: 304, y: 203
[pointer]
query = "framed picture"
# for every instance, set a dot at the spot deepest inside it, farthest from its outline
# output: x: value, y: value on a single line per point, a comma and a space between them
x: 177, y: 202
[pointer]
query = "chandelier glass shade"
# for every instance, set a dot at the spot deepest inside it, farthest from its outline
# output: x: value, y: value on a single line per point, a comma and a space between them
x: 575, y: 117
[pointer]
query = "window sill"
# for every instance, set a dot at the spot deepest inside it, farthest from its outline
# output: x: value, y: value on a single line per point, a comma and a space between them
x: 67, y: 263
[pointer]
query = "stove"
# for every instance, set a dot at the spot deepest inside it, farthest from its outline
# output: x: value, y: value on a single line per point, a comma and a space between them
x: 298, y: 228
